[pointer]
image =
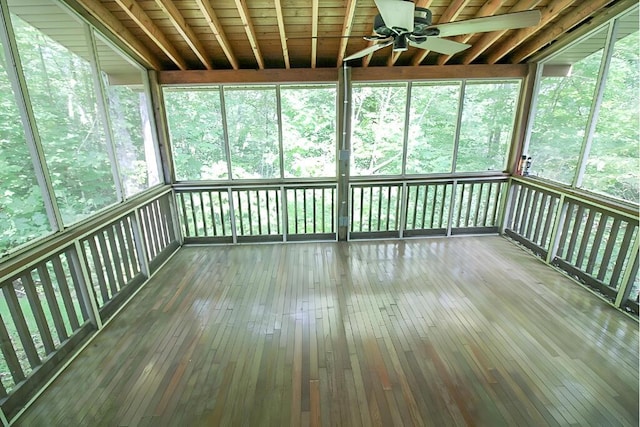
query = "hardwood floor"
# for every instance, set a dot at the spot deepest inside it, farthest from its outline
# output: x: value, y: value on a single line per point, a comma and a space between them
x: 459, y: 331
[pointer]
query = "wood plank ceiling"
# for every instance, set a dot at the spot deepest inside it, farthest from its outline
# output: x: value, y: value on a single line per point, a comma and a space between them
x: 276, y: 34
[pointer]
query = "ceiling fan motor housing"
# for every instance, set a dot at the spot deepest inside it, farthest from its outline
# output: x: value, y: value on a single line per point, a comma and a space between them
x: 422, y: 19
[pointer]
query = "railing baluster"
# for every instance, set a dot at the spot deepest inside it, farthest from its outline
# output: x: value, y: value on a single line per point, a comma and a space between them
x: 478, y: 201
x: 21, y: 325
x: 324, y: 224
x: 361, y: 206
x: 193, y: 214
x: 268, y: 207
x: 434, y: 202
x: 204, y: 216
x: 124, y: 253
x: 9, y: 352
x: 38, y: 314
x: 575, y: 233
x: 622, y: 255
x: 304, y: 209
x: 152, y: 230
x: 487, y: 203
x: 214, y: 227
x: 99, y: 272
x: 52, y: 302
x: 224, y: 231
x: 185, y: 218
x: 353, y: 202
x: 424, y: 205
x: 544, y: 198
x: 568, y: 218
x: 443, y: 205
x: 370, y: 205
x: 313, y: 203
x: 586, y: 235
x: 136, y: 264
x: 295, y: 210
x: 519, y: 193
x: 414, y: 203
x: 532, y: 214
x: 111, y: 280
x: 597, y: 240
x: 388, y: 207
x: 237, y: 193
x: 333, y: 207
x: 278, y: 211
x: 606, y: 258
x: 250, y: 211
x: 460, y: 204
x: 551, y: 212
x: 469, y: 205
x: 525, y: 212
x: 378, y: 219
x: 259, y: 213
x: 115, y: 255
x: 78, y: 267
x: 63, y: 286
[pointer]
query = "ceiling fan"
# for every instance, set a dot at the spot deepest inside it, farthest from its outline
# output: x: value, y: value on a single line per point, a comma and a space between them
x: 401, y: 24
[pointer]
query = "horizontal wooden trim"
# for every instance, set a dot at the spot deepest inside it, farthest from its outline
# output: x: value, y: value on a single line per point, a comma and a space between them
x: 311, y: 237
x: 324, y: 75
x: 425, y: 232
x: 260, y: 238
x: 356, y: 235
x: 584, y: 277
x: 298, y: 75
x: 222, y: 240
x: 439, y: 72
x: 541, y: 252
x: 118, y: 300
x: 460, y: 231
x: 157, y: 262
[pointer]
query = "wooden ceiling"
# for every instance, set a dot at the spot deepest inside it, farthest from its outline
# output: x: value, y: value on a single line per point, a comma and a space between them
x: 278, y: 34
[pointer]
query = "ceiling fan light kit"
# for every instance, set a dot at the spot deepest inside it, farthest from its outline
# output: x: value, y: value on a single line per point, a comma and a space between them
x: 401, y: 24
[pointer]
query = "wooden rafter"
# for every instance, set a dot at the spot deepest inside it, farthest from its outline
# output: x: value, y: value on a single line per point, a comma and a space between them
x: 488, y: 9
x: 488, y: 39
x: 243, y: 10
x: 393, y: 58
x: 185, y: 31
x: 551, y: 11
x: 216, y: 29
x: 579, y: 14
x: 283, y: 34
x: 143, y: 21
x: 346, y: 30
x: 449, y: 15
x: 314, y: 32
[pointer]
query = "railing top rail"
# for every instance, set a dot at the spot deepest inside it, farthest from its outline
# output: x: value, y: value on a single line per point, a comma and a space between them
x: 260, y: 185
x: 58, y: 242
x: 626, y: 210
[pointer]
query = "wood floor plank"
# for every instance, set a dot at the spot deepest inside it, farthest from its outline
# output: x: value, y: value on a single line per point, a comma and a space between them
x: 466, y: 331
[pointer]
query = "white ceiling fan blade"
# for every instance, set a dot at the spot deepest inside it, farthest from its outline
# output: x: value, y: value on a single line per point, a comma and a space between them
x: 508, y: 21
x: 396, y: 13
x: 444, y: 46
x: 367, y: 51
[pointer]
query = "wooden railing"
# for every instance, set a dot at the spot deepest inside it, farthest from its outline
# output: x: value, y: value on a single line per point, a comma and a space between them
x: 257, y: 213
x: 276, y: 212
x: 426, y: 207
x: 592, y: 240
x: 57, y: 294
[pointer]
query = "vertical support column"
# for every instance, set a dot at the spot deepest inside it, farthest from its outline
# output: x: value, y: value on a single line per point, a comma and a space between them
x: 103, y: 111
x: 78, y: 263
x: 456, y: 140
x: 596, y: 104
x: 344, y: 151
x: 162, y: 130
x: 527, y: 105
x: 32, y: 137
x: 225, y: 132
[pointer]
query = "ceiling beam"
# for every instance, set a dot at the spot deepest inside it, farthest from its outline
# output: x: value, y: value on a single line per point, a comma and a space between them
x: 300, y: 75
x: 314, y: 33
x: 216, y: 29
x: 346, y: 30
x: 283, y: 35
x: 449, y: 15
x: 101, y: 14
x: 550, y: 12
x: 487, y: 40
x: 579, y: 14
x: 607, y: 14
x: 487, y: 9
x: 185, y: 31
x: 243, y: 10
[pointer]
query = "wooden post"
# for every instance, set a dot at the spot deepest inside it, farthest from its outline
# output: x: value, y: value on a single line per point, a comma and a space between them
x: 629, y: 275
x: 344, y: 151
x: 162, y: 129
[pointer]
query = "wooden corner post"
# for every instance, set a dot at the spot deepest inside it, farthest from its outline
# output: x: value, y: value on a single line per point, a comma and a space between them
x: 344, y: 150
